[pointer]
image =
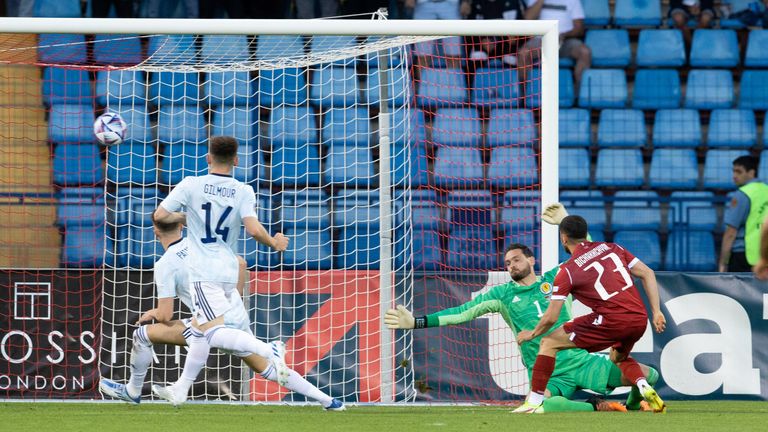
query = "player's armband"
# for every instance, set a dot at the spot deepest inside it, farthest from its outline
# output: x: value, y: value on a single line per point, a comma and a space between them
x: 420, y: 322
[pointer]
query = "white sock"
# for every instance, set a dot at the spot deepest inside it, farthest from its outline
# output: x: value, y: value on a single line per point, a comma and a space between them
x: 237, y: 341
x: 300, y: 385
x: 197, y: 356
x: 535, y: 398
x: 141, y: 358
x: 642, y: 384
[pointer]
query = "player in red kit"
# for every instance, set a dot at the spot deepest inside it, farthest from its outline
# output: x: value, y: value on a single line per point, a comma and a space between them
x: 599, y: 275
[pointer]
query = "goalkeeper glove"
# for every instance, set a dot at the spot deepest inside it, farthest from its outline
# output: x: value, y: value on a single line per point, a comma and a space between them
x: 400, y: 318
x: 554, y: 214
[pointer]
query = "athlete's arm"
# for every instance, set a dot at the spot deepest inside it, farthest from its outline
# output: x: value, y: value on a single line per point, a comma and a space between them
x: 162, y: 313
x: 402, y: 318
x: 255, y: 229
x: 647, y: 275
x: 725, y: 252
x: 545, y: 322
x: 242, y: 274
x: 164, y: 216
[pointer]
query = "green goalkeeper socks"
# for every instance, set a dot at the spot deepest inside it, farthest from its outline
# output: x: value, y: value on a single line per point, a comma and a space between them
x: 634, y: 398
x: 561, y: 404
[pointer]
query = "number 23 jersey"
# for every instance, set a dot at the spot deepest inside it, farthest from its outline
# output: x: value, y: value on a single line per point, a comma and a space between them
x: 215, y: 206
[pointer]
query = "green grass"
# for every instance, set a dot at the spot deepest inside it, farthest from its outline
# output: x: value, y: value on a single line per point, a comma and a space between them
x: 97, y: 417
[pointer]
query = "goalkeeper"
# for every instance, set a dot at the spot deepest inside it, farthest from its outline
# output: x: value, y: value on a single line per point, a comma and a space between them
x: 521, y: 302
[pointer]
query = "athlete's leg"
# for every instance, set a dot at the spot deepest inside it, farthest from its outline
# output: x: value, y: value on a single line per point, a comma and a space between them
x: 295, y: 383
x: 550, y: 345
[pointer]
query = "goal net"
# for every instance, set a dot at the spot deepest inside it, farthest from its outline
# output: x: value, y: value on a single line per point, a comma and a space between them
x: 399, y: 167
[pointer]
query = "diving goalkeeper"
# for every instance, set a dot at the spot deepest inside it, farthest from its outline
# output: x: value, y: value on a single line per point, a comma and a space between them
x: 520, y: 303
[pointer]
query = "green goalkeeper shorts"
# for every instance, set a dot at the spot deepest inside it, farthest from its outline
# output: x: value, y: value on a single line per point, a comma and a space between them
x: 594, y: 373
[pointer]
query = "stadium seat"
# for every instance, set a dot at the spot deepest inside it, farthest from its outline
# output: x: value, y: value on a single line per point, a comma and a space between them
x: 240, y: 122
x: 718, y: 168
x: 496, y: 88
x: 117, y: 49
x: 574, y: 167
x: 292, y: 126
x: 323, y: 43
x: 692, y: 210
x: 132, y: 163
x: 637, y: 13
x: 610, y: 47
x: 458, y: 168
x: 358, y: 248
x: 574, y: 130
x: 305, y: 209
x: 596, y: 13
x: 457, y: 127
x: 645, y: 245
x: 228, y: 88
x: 77, y: 165
x: 565, y: 87
x: 83, y: 247
x: 172, y: 49
x: 762, y: 170
x: 527, y: 205
x: 765, y: 130
x: 174, y: 88
x: 426, y: 250
x: 296, y: 166
x: 395, y: 60
x: 224, y: 50
x: 513, y: 167
x: 732, y: 128
x: 656, y: 89
x: 509, y: 127
x: 470, y: 207
x: 409, y: 166
x: 71, y: 124
x: 588, y: 204
x: 636, y: 210
x: 182, y: 159
x: 179, y: 124
x: 57, y: 8
x: 757, y: 49
x: 407, y: 127
x: 333, y: 87
x: 309, y: 250
x: 754, y: 90
x: 690, y: 251
x: 677, y: 128
x: 65, y: 86
x: 71, y: 212
x: 120, y: 87
x: 709, y: 89
x: 349, y: 166
x: 400, y: 88
x: 661, y: 48
x: 603, y: 88
x: 472, y: 248
x: 619, y: 168
x: 272, y: 47
x: 251, y: 166
x: 715, y: 48
x: 139, y: 126
x: 673, y: 168
x: 621, y: 128
x: 144, y: 249
x: 346, y: 127
x: 282, y: 86
x: 441, y: 88
x: 61, y: 49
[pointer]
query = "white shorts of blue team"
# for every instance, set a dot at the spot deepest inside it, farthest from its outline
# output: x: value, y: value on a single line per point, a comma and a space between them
x: 214, y: 299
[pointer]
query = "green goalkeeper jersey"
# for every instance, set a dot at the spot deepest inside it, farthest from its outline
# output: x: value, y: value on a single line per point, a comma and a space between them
x: 521, y: 307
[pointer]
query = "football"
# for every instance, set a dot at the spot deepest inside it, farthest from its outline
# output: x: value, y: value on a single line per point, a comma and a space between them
x: 110, y: 128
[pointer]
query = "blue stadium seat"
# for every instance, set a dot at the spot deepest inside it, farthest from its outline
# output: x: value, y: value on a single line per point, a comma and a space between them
x: 677, y: 128
x: 174, y: 88
x: 603, y: 88
x: 674, y: 168
x: 228, y: 88
x: 757, y: 49
x: 406, y: 170
x: 172, y: 49
x: 656, y: 89
x: 132, y: 163
x: 718, y: 167
x: 574, y: 130
x: 117, y: 49
x: 71, y: 124
x: 574, y: 167
x: 395, y: 59
x: 272, y: 47
x: 645, y: 245
x: 754, y: 90
x: 472, y: 248
x: 177, y: 124
x: 661, y: 48
x: 349, y: 166
x: 236, y: 121
x: 621, y: 128
x: 251, y: 166
x: 715, y: 48
x: 139, y: 126
x: 307, y: 209
x: 320, y: 44
x: 690, y: 251
x: 457, y: 127
x: 358, y: 248
x: 527, y: 205
x: 692, y: 210
x: 610, y: 48
x: 282, y: 86
x: 588, y: 204
x: 496, y: 88
x: 144, y: 249
x: 619, y: 168
x: 407, y: 127
x: 292, y: 126
x: 182, y: 159
x: 565, y: 87
x: 77, y: 165
x: 762, y: 170
x: 765, y: 130
x: 309, y: 250
x: 83, y: 247
x: 425, y: 213
x: 709, y: 89
x: 224, y: 50
x: 62, y: 86
x: 296, y: 166
x: 333, y: 87
x: 72, y: 212
x: 346, y: 127
x: 61, y: 49
x: 441, y: 88
x: 637, y: 13
x: 732, y: 128
x: 509, y: 127
x: 400, y: 88
x: 57, y: 8
x: 458, y: 168
x: 636, y: 210
x: 596, y: 13
x: 512, y: 167
x: 521, y: 217
x: 120, y: 87
x: 426, y: 254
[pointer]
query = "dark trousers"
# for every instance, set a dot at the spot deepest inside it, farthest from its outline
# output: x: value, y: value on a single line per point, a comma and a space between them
x: 738, y: 263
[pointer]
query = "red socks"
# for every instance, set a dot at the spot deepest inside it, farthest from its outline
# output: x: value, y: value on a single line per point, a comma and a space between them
x: 630, y: 369
x: 542, y: 370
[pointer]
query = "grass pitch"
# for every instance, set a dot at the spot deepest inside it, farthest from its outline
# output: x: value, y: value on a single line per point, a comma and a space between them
x: 98, y: 417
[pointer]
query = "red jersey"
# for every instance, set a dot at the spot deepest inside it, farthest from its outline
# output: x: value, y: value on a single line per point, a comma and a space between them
x: 598, y: 276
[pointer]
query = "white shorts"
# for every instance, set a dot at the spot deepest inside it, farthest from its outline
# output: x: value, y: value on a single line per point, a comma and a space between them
x: 214, y: 299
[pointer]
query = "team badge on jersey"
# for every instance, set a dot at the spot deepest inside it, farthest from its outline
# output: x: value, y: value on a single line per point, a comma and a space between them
x: 546, y: 288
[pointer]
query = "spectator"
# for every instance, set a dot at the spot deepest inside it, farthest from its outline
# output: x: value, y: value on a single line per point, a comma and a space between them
x: 273, y: 9
x: 307, y: 9
x: 682, y: 11
x: 483, y: 47
x: 749, y: 12
x: 170, y: 9
x: 744, y: 215
x: 450, y: 47
x: 101, y: 8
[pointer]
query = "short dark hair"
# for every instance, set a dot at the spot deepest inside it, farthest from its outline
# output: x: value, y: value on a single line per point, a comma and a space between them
x: 574, y: 226
x: 526, y: 250
x: 223, y: 149
x: 749, y: 163
x: 164, y: 227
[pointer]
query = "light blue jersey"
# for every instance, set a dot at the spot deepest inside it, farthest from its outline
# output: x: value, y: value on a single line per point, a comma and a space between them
x: 171, y: 277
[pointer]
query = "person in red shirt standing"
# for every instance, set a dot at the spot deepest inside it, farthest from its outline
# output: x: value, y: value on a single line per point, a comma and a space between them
x: 598, y: 274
